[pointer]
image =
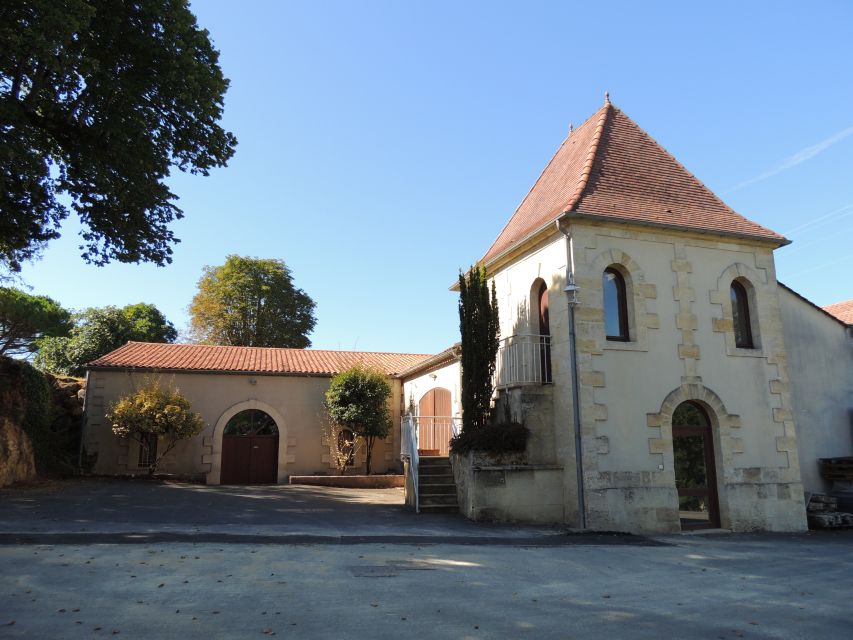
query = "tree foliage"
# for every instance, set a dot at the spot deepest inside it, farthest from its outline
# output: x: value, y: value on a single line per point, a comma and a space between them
x: 478, y: 324
x: 251, y: 302
x: 357, y: 399
x: 99, y: 100
x: 99, y: 330
x: 26, y: 318
x: 155, y: 411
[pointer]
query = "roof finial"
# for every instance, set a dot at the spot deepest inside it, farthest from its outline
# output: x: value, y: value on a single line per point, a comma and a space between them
x: 606, y: 97
x: 571, y: 128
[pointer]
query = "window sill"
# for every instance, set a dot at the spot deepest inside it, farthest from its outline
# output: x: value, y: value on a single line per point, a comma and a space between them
x: 746, y: 353
x: 621, y: 345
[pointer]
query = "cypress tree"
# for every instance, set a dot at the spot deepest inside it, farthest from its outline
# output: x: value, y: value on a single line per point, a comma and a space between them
x: 478, y: 324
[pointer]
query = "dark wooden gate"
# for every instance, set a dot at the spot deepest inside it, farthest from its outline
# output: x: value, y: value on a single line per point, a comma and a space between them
x: 249, y: 459
x: 695, y: 470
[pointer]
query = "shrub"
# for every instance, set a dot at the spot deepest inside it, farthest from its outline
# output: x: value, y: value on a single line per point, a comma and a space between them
x: 508, y: 437
x: 155, y: 413
x: 357, y: 399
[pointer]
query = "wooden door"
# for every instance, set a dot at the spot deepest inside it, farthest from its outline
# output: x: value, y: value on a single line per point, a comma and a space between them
x: 435, y: 426
x: 236, y: 456
x: 695, y: 471
x: 249, y: 459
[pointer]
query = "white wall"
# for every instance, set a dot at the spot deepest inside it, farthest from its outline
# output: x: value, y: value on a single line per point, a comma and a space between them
x: 820, y: 360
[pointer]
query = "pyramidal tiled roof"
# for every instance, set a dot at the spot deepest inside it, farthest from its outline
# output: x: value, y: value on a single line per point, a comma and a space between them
x: 210, y: 358
x: 841, y: 310
x: 610, y: 167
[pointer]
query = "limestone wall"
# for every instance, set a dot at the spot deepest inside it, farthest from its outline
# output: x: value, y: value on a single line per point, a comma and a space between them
x: 681, y: 348
x: 493, y: 492
x: 295, y: 403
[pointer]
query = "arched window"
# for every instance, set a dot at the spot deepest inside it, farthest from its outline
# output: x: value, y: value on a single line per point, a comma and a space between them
x: 542, y: 307
x: 740, y: 316
x: 251, y: 422
x: 615, y: 305
x: 539, y: 295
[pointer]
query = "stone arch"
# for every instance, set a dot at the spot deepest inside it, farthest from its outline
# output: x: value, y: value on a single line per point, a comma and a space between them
x: 214, y: 474
x: 637, y: 293
x: 753, y: 281
x: 725, y: 428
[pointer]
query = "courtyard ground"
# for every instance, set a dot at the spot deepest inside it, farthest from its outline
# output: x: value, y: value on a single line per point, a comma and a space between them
x: 460, y: 580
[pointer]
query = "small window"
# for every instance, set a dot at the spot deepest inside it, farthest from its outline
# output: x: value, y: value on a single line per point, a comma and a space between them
x: 740, y: 316
x: 615, y: 305
x: 147, y: 451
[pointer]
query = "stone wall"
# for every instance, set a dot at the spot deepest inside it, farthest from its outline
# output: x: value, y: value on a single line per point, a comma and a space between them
x: 491, y: 490
x: 681, y: 348
x: 17, y: 463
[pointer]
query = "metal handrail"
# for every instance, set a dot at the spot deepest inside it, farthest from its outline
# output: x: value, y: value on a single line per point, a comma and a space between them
x: 523, y: 359
x: 409, y: 452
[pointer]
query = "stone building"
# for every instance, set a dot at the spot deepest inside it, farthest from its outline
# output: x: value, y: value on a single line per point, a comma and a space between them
x: 668, y: 380
x: 263, y: 409
x: 683, y: 397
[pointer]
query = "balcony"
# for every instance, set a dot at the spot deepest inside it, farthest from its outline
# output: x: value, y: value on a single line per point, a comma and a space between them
x: 523, y: 359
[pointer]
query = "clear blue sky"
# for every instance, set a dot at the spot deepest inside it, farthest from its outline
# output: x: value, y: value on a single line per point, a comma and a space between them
x: 383, y: 145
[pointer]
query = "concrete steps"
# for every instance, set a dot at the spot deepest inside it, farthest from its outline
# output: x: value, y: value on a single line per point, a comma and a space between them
x: 436, y: 488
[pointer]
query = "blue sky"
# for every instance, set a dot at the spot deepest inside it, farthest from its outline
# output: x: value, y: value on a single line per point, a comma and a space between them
x: 383, y: 145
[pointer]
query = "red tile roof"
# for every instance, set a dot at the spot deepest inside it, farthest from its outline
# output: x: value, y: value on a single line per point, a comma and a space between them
x: 208, y: 358
x: 610, y: 167
x: 841, y: 310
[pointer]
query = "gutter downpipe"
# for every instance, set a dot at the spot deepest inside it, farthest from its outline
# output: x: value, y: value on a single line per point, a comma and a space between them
x: 572, y: 299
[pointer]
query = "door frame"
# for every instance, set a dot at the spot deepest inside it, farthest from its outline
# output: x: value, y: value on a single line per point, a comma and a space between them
x: 711, y: 491
x: 214, y: 444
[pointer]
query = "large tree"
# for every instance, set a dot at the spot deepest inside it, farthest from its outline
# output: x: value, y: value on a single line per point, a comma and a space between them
x: 98, y: 331
x: 480, y: 331
x: 357, y: 400
x: 26, y: 318
x: 251, y: 302
x: 99, y: 100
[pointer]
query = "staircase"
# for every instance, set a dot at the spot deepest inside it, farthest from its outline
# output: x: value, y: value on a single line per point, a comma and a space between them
x: 436, y: 488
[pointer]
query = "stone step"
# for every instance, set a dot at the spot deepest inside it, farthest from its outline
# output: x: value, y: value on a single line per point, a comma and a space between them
x: 439, y: 508
x: 435, y: 471
x: 436, y: 489
x: 436, y: 499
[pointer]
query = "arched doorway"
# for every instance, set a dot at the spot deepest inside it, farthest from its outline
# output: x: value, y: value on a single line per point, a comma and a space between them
x: 435, y: 425
x: 539, y: 296
x: 695, y: 471
x: 250, y: 449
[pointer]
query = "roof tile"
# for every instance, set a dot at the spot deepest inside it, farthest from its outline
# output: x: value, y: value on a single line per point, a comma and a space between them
x: 610, y: 167
x: 210, y: 358
x: 841, y: 310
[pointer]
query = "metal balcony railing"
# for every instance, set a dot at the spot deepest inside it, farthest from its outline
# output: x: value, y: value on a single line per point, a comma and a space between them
x: 523, y: 359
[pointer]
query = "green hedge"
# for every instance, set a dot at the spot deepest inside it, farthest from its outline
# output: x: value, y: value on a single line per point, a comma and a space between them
x: 27, y: 398
x: 509, y: 437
